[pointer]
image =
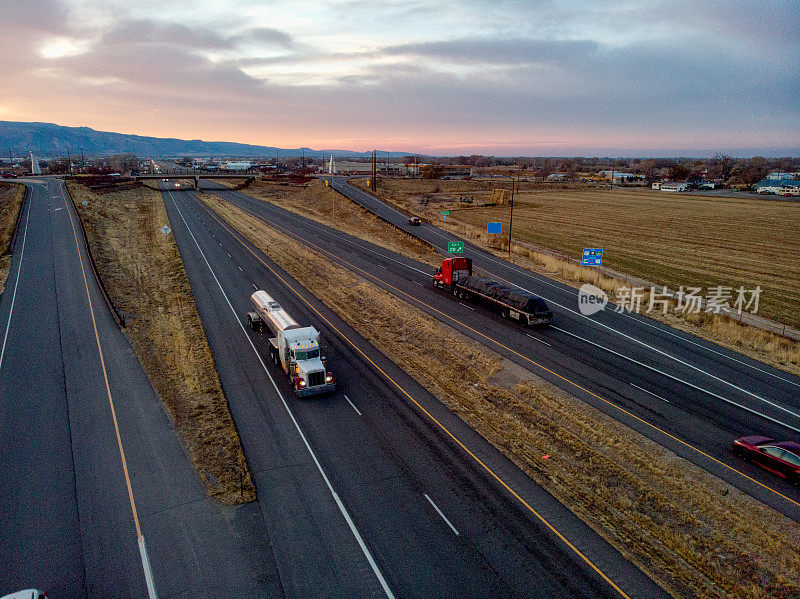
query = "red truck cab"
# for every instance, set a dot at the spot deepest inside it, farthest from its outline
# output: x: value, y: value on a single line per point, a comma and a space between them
x: 451, y: 271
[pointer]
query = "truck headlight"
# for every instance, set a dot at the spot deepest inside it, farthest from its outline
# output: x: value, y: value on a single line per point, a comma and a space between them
x: 300, y: 383
x: 329, y: 378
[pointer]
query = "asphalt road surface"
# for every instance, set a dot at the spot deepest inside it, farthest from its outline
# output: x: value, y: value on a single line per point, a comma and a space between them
x: 365, y: 492
x: 687, y: 394
x: 67, y: 525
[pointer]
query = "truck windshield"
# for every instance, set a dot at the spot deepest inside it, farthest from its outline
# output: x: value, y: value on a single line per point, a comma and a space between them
x: 306, y: 354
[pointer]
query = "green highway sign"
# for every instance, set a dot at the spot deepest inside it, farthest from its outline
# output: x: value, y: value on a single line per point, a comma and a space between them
x: 455, y: 247
x: 444, y: 212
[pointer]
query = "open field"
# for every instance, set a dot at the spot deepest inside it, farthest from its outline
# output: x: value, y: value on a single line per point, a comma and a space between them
x: 143, y: 273
x: 670, y: 239
x: 11, y: 196
x: 691, y: 532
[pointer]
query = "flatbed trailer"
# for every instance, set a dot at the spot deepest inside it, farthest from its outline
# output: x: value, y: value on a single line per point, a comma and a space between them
x: 455, y: 276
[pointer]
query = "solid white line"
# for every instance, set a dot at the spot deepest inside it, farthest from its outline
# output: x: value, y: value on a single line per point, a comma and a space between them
x: 566, y: 289
x: 19, y: 270
x: 352, y: 405
x: 537, y: 339
x: 687, y: 383
x: 317, y: 226
x: 644, y: 322
x: 436, y: 507
x: 649, y: 392
x: 336, y: 498
x: 466, y: 306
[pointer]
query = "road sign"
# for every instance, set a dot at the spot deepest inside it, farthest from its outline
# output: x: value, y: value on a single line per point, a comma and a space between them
x: 444, y: 212
x: 455, y: 247
x: 166, y: 230
x: 592, y: 257
x: 494, y: 228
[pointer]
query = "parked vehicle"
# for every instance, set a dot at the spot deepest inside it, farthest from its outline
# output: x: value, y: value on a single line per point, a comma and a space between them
x: 779, y: 457
x: 455, y: 275
x: 294, y: 348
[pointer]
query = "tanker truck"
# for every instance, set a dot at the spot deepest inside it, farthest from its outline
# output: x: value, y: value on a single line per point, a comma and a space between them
x: 294, y: 348
x: 455, y: 275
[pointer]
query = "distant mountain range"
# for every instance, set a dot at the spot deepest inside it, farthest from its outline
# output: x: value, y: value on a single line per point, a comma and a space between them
x: 47, y: 140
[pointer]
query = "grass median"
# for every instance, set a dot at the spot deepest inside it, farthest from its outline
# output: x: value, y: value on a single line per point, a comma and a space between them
x: 11, y: 196
x: 691, y: 532
x: 143, y: 272
x: 320, y: 203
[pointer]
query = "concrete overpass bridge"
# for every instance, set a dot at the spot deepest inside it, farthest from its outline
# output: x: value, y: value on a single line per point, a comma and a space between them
x: 193, y: 177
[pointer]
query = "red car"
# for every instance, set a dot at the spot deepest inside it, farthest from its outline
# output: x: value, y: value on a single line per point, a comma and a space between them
x: 779, y: 457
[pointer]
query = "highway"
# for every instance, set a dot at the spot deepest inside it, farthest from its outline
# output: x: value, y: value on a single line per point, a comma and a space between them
x: 77, y: 520
x: 689, y: 395
x: 377, y: 490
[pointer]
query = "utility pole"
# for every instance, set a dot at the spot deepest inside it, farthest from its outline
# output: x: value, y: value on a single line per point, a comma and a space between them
x: 511, y: 220
x: 374, y: 172
x: 333, y: 205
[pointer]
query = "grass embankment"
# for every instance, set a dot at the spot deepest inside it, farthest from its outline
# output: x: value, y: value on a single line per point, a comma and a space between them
x: 314, y: 201
x: 691, y: 532
x: 642, y: 226
x: 144, y: 275
x: 11, y: 196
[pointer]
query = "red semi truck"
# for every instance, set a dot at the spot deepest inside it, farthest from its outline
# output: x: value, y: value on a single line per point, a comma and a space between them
x: 455, y: 275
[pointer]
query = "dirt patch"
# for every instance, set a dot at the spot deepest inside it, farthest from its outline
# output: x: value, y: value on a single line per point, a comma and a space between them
x: 691, y: 532
x: 11, y: 196
x: 143, y: 272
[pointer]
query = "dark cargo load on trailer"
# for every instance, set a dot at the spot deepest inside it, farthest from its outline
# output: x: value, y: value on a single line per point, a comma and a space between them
x: 455, y: 275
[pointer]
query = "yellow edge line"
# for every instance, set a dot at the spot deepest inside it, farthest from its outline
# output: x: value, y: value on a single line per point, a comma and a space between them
x: 428, y: 414
x: 609, y: 402
x: 105, y: 377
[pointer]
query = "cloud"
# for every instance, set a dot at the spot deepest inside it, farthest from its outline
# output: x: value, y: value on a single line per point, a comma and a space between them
x: 527, y: 74
x: 505, y: 51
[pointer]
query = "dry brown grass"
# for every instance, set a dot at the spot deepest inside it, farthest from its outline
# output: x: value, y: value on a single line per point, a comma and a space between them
x: 144, y: 275
x: 691, y: 532
x: 759, y: 344
x: 11, y: 196
x: 314, y: 201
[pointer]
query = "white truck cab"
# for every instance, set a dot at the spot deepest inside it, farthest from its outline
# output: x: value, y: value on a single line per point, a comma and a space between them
x: 296, y: 349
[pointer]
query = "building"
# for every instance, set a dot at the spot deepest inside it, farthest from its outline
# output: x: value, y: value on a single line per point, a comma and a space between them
x: 782, y: 176
x: 776, y: 186
x: 672, y: 186
x: 558, y: 177
x: 236, y: 166
x: 391, y: 169
x: 621, y: 177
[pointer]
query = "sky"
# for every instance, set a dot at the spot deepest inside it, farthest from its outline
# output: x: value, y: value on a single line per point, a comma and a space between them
x: 499, y: 77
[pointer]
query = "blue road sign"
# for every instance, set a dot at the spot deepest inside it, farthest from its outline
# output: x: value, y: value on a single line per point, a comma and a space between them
x: 592, y: 257
x: 494, y: 228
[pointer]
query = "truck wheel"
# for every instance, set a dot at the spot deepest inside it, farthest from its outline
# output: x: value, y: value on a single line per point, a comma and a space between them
x: 505, y: 312
x: 253, y: 324
x: 275, y: 356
